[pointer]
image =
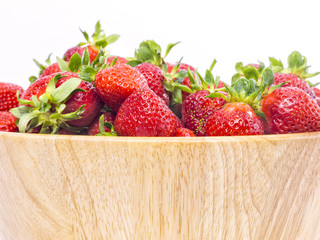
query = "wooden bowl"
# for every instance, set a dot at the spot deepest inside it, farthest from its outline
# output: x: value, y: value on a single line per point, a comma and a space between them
x: 81, y: 187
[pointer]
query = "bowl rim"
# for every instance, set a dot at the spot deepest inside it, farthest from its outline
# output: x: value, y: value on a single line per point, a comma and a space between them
x: 255, y: 138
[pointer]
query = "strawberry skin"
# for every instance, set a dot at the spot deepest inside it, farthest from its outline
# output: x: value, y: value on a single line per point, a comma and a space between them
x: 155, y: 78
x: 197, y: 108
x: 115, y: 84
x: 184, y: 132
x: 93, y: 52
x: 120, y: 60
x: 90, y: 98
x: 8, y: 95
x: 293, y: 81
x: 290, y: 110
x: 53, y: 68
x: 93, y: 129
x: 234, y: 119
x: 7, y: 122
x: 144, y: 113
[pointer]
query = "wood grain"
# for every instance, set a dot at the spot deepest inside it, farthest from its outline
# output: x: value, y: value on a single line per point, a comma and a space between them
x: 81, y: 187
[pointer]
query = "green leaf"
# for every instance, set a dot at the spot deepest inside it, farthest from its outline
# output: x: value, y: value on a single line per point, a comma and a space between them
x: 41, y: 66
x: 144, y: 54
x: 75, y: 63
x: 209, y: 78
x: 32, y: 79
x: 24, y: 121
x: 73, y: 115
x: 184, y: 88
x: 181, y: 74
x: 85, y: 34
x: 112, y: 38
x: 239, y: 67
x: 212, y: 65
x: 217, y: 95
x: 168, y: 86
x: 177, y: 95
x: 48, y: 61
x: 63, y: 65
x: 250, y: 72
x: 295, y: 60
x: 169, y: 47
x: 267, y: 78
x: 260, y: 114
x: 85, y: 60
x: 235, y: 78
x: 134, y: 63
x: 275, y: 63
x: 64, y: 91
x: 97, y: 29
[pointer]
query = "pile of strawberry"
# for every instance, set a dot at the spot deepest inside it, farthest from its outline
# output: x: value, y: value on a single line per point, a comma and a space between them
x: 91, y: 92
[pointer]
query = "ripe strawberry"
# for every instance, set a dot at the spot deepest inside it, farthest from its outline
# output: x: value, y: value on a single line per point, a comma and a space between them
x: 7, y: 122
x: 99, y: 41
x: 58, y: 103
x: 93, y: 129
x: 317, y: 93
x: 197, y: 108
x: 120, y: 60
x: 293, y: 81
x: 143, y: 113
x: 234, y: 119
x: 8, y: 95
x: 93, y: 52
x: 290, y: 110
x: 240, y: 116
x: 53, y: 68
x: 115, y: 84
x: 184, y: 132
x: 155, y: 78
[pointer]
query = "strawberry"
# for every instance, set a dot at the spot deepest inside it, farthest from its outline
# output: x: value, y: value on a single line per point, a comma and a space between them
x: 120, y: 60
x: 317, y: 93
x: 57, y: 100
x: 144, y: 113
x: 7, y: 122
x: 234, y: 119
x: 184, y: 132
x: 115, y: 84
x: 293, y: 81
x: 93, y: 129
x: 197, y: 108
x: 290, y: 110
x: 203, y: 102
x: 99, y: 41
x: 8, y: 95
x: 155, y: 78
x: 240, y: 116
x: 52, y: 68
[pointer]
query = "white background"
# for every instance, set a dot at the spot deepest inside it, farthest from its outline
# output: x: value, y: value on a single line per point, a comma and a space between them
x: 229, y: 31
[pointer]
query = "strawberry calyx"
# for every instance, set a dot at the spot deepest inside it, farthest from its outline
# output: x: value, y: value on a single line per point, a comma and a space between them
x: 251, y: 90
x: 42, y: 67
x: 249, y: 71
x: 297, y: 64
x: 108, y: 125
x: 150, y: 51
x: 99, y: 39
x: 47, y: 110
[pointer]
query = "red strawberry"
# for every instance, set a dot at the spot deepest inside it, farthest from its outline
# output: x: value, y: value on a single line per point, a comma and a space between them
x: 120, y: 60
x: 143, y: 113
x: 99, y: 41
x: 293, y: 81
x: 290, y: 110
x: 234, y: 119
x: 184, y: 132
x: 197, y: 108
x: 317, y: 93
x: 155, y: 78
x: 115, y: 84
x: 7, y: 122
x: 53, y: 68
x: 93, y: 129
x: 73, y: 103
x: 93, y: 52
x: 8, y: 95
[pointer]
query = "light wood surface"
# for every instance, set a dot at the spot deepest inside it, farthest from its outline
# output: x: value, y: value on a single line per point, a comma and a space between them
x: 81, y: 187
